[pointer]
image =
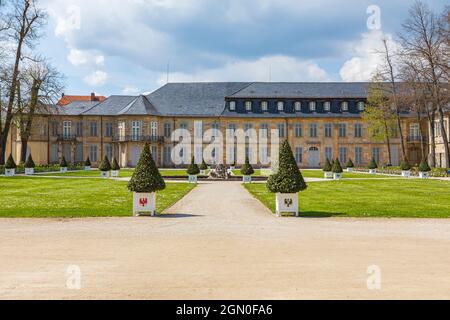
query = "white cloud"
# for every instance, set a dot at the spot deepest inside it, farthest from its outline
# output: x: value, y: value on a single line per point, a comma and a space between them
x: 82, y: 57
x: 367, y: 58
x: 97, y: 78
x: 131, y: 90
x: 275, y: 68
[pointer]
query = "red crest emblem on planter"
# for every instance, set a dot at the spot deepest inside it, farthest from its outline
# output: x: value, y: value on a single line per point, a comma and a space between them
x: 143, y: 202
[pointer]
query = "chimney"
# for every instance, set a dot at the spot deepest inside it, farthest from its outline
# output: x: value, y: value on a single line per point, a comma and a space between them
x: 63, y: 94
x: 93, y: 98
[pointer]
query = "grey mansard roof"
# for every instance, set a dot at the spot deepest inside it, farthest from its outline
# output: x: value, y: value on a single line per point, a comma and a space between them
x: 209, y: 99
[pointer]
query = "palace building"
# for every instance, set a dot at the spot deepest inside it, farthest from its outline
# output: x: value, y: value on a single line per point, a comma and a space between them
x: 320, y: 120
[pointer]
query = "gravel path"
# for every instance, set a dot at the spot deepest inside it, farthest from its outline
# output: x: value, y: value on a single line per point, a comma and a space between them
x: 220, y: 243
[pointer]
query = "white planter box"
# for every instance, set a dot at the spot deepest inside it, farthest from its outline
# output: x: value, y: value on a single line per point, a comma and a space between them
x: 373, y: 171
x: 350, y: 170
x: 337, y: 176
x: 10, y: 172
x: 29, y: 171
x: 144, y: 204
x: 63, y: 170
x: 424, y: 175
x: 193, y: 179
x: 328, y: 175
x: 87, y: 168
x: 115, y: 173
x: 287, y: 203
x: 104, y: 174
x: 232, y: 168
x: 247, y: 179
x: 406, y: 174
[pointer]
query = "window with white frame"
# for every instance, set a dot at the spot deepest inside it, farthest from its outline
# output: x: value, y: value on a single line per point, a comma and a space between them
x: 109, y: 151
x: 109, y: 129
x: 328, y: 130
x: 282, y: 130
x: 67, y: 129
x: 248, y: 105
x: 342, y: 130
x: 136, y: 130
x: 248, y: 129
x: 358, y: 130
x: 93, y: 152
x: 361, y: 106
x: 280, y: 105
x: 154, y: 129
x: 264, y: 106
x: 414, y: 130
x: 167, y: 130
x: 298, y: 106
x: 376, y: 154
x: 298, y: 130
x: 231, y: 129
x: 344, y: 106
x: 327, y: 106
x: 264, y: 130
x: 79, y: 129
x: 93, y: 128
x: 312, y: 106
x: 313, y: 130
x: 121, y: 130
x: 358, y: 155
x: 343, y: 155
x: 329, y: 153
x: 299, y: 155
x: 232, y: 105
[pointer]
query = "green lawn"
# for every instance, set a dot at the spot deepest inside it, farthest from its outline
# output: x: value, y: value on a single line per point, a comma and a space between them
x: 124, y: 173
x: 369, y: 198
x: 46, y: 197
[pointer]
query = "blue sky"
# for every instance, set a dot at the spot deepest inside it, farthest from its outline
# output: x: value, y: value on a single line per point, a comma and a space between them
x: 125, y: 46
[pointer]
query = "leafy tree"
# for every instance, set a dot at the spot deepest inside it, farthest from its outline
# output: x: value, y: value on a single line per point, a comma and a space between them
x: 87, y: 163
x: 29, y: 164
x: 424, y: 167
x: 373, y: 164
x: 405, y: 166
x: 350, y: 164
x: 337, y: 168
x: 193, y: 168
x: 115, y: 165
x: 63, y: 163
x: 146, y: 177
x: 288, y: 179
x: 247, y: 169
x: 105, y: 165
x: 10, y: 163
x: 203, y: 166
x: 328, y: 167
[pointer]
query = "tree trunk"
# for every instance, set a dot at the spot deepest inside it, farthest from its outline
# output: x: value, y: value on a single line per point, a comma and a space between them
x: 388, y: 142
x: 444, y: 137
x: 422, y: 140
x: 27, y: 124
x: 432, y: 140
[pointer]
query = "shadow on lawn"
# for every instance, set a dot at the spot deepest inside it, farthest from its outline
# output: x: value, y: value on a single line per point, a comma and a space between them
x: 312, y: 214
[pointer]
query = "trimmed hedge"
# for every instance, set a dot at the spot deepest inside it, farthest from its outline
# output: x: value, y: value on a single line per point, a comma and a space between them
x: 87, y: 163
x: 337, y: 168
x: 146, y: 177
x: 10, y: 163
x: 373, y: 164
x: 115, y: 165
x: 328, y: 167
x: 405, y: 166
x: 29, y: 164
x: 63, y: 163
x: 424, y: 167
x: 193, y: 168
x: 288, y: 179
x: 247, y: 169
x: 105, y: 166
x: 203, y: 166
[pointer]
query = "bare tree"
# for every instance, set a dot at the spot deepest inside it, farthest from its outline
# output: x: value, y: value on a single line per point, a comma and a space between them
x: 41, y: 89
x: 422, y: 40
x: 24, y: 21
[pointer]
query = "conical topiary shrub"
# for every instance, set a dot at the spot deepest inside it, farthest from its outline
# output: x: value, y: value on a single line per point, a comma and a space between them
x: 87, y: 163
x: 146, y: 177
x: 247, y: 169
x: 328, y: 167
x: 193, y: 168
x: 350, y: 164
x: 10, y: 163
x: 105, y: 166
x: 373, y: 165
x: 424, y: 169
x: 29, y: 164
x: 115, y: 165
x: 287, y: 182
x: 288, y: 179
x: 203, y: 166
x: 63, y: 163
x: 404, y: 165
x: 337, y: 170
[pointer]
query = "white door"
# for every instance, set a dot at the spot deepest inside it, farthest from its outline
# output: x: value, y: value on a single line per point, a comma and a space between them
x: 314, y: 157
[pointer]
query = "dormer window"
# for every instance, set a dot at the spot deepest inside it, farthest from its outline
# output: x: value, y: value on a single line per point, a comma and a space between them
x: 327, y: 106
x: 248, y: 105
x: 361, y: 106
x: 344, y: 106
x: 232, y: 105
x: 298, y: 106
x: 312, y: 106
x: 264, y: 106
x: 280, y: 105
